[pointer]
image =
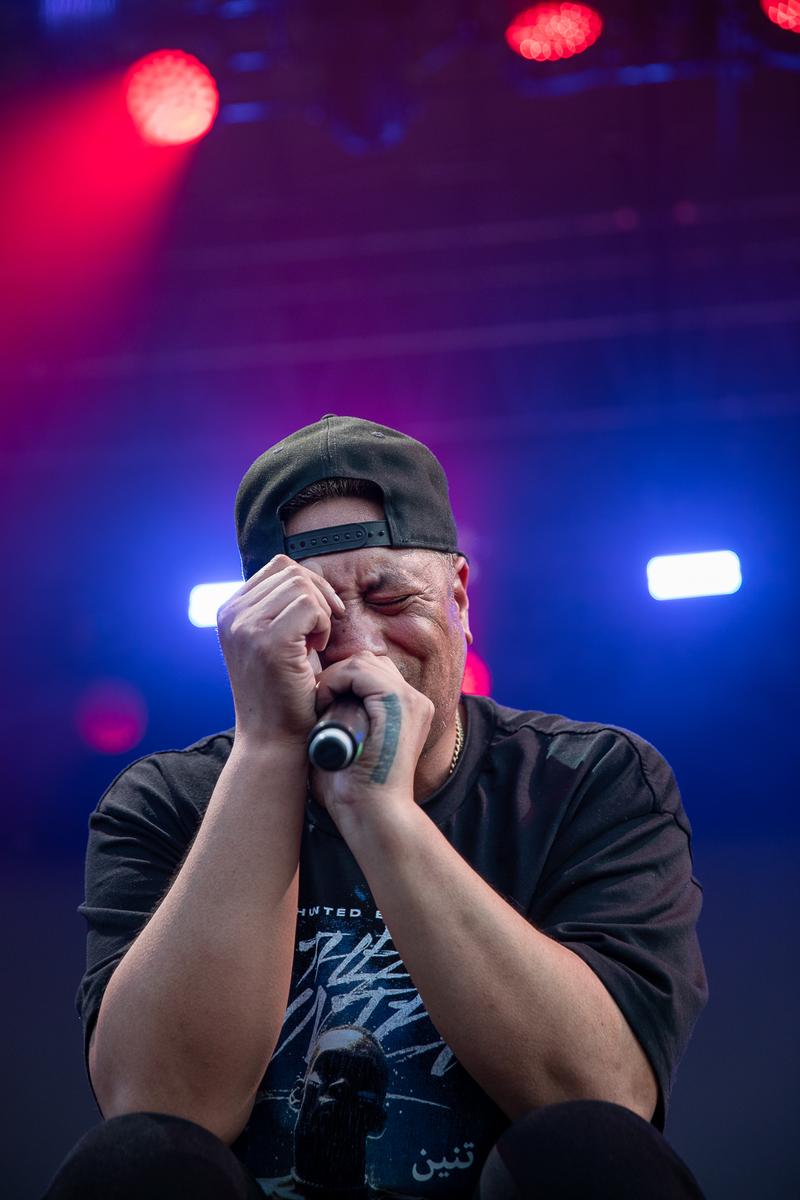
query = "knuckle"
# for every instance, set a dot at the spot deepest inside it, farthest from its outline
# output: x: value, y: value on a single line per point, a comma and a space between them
x: 226, y: 616
x: 422, y: 703
x: 297, y: 576
x: 362, y: 657
x: 285, y: 567
x: 316, y: 595
x: 235, y: 625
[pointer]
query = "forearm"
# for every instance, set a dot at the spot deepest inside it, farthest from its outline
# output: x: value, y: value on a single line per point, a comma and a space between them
x: 192, y: 1013
x: 527, y: 1018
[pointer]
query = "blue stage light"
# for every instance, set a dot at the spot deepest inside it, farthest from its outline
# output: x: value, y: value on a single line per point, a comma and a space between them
x: 681, y: 576
x: 206, y: 598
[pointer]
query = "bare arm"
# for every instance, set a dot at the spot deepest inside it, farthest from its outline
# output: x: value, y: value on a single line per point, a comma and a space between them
x: 527, y: 1018
x: 192, y: 1013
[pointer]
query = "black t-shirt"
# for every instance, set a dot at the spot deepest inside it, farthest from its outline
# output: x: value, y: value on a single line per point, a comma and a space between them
x: 579, y: 826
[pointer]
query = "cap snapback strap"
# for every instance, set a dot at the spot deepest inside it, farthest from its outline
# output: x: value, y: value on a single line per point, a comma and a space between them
x: 336, y: 538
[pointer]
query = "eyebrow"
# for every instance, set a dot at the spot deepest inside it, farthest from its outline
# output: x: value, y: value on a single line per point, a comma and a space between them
x: 375, y: 582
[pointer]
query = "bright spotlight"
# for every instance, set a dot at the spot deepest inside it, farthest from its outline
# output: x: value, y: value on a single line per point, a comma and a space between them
x: 206, y: 598
x: 681, y: 576
x: 548, y: 32
x: 786, y: 14
x: 171, y: 97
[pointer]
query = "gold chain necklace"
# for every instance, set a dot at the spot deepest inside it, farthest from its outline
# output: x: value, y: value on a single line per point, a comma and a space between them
x: 459, y: 742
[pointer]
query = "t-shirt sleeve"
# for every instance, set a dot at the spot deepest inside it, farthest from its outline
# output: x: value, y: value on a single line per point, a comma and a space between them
x: 619, y: 890
x: 136, y: 845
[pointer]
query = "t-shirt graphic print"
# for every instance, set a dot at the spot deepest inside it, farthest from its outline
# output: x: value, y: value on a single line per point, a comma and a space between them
x: 362, y: 1095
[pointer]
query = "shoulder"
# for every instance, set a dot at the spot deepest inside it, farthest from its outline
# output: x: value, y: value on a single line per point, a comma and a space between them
x: 591, y: 752
x: 207, y: 754
x: 184, y: 775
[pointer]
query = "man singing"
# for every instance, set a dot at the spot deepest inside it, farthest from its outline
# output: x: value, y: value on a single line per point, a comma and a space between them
x: 465, y: 965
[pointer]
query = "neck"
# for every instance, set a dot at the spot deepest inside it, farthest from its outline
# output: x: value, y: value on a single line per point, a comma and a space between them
x: 433, y: 767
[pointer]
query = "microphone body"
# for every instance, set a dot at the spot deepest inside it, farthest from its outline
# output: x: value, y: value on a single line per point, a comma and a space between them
x: 338, y: 737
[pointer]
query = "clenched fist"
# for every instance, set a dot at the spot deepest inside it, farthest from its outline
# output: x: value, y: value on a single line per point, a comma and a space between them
x: 270, y: 631
x: 400, y: 721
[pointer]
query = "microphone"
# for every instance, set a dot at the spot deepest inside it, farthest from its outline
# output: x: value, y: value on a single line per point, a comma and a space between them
x: 338, y: 737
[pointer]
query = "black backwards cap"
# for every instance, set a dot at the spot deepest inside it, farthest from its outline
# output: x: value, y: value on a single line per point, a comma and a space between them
x: 416, y: 502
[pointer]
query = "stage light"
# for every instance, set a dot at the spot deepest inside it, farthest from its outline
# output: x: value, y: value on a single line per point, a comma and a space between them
x: 171, y: 97
x: 477, y: 679
x: 681, y: 576
x: 111, y: 716
x: 548, y: 32
x: 786, y: 14
x: 63, y: 12
x: 205, y: 599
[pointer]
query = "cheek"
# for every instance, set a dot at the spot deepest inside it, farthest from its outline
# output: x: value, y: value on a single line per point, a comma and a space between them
x: 432, y: 651
x: 416, y: 636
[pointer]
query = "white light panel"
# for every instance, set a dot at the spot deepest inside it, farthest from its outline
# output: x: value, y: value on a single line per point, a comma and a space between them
x: 682, y: 576
x: 206, y: 598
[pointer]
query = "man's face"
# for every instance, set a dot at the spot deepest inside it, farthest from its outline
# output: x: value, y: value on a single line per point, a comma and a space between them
x: 345, y: 1084
x: 406, y: 604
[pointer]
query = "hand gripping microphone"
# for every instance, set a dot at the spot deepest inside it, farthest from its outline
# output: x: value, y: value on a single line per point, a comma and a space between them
x: 338, y: 737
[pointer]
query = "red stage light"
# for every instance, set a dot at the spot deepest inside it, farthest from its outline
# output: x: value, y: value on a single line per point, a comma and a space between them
x: 171, y: 97
x: 786, y: 14
x: 111, y: 716
x: 547, y: 32
x: 477, y: 679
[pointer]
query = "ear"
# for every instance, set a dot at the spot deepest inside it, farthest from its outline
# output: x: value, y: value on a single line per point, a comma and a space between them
x: 461, y: 597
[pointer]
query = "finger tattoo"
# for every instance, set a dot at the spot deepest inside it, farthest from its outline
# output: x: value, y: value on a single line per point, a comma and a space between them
x: 391, y: 738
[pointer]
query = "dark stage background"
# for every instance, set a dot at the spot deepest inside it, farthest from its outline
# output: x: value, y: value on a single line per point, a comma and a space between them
x: 578, y: 282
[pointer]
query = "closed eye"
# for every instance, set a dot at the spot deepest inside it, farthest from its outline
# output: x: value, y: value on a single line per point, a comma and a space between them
x: 389, y: 603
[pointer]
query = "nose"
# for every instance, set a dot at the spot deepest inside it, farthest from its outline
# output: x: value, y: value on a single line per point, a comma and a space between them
x: 354, y: 632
